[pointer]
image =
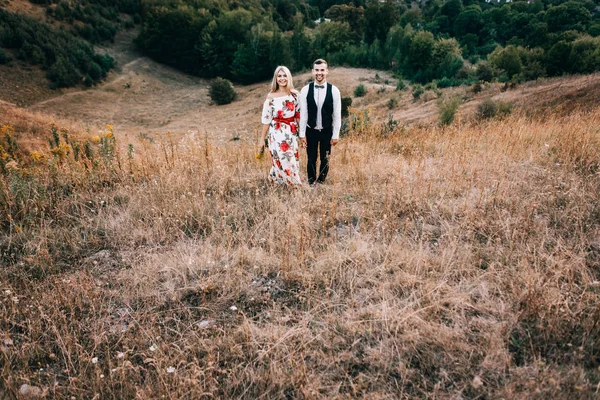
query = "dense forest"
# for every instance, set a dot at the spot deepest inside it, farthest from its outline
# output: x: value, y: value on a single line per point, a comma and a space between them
x: 452, y: 42
x: 63, y: 46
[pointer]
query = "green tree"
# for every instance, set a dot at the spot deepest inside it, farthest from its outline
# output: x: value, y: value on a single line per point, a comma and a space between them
x: 332, y: 37
x: 469, y: 21
x: 506, y: 59
x: 571, y: 15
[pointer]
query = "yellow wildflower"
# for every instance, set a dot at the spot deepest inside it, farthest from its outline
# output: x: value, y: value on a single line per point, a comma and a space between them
x: 62, y: 151
x: 108, y: 135
x: 36, y: 156
x: 109, y: 127
x: 6, y: 129
x: 96, y: 139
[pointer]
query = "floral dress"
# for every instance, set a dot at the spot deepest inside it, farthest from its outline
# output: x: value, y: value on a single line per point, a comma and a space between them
x: 281, y: 113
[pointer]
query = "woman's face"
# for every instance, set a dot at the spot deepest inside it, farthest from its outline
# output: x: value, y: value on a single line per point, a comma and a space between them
x: 282, y: 79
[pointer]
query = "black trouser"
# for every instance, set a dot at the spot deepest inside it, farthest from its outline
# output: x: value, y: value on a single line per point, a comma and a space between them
x: 318, y: 143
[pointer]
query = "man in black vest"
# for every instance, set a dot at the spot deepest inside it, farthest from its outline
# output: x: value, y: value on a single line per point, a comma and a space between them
x: 320, y: 121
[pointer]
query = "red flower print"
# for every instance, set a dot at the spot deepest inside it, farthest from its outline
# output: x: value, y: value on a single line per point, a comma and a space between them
x: 293, y: 127
x: 280, y: 113
x: 289, y: 105
x: 296, y: 155
x: 284, y: 146
x: 297, y: 114
x: 287, y: 172
x: 277, y: 125
x: 278, y: 163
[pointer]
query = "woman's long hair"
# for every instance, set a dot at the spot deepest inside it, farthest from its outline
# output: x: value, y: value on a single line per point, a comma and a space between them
x: 290, y: 85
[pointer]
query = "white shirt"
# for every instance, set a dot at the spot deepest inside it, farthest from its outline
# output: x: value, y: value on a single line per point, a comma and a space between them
x: 319, y: 95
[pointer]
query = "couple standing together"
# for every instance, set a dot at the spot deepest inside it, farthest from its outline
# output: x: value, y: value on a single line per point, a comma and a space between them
x: 311, y: 119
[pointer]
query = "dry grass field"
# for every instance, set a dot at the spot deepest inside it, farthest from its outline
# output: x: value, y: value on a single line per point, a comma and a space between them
x: 446, y: 263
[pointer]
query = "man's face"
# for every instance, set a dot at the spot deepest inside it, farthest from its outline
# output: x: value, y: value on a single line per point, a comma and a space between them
x: 319, y: 73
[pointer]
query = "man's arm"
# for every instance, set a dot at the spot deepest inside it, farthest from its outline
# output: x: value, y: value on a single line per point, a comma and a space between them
x: 337, y: 115
x: 303, y: 112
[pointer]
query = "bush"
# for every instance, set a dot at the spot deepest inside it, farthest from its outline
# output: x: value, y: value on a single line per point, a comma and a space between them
x: 401, y: 85
x: 346, y: 103
x: 489, y: 108
x: 360, y: 90
x: 485, y: 72
x: 477, y: 87
x: 447, y: 82
x: 447, y: 109
x: 392, y: 103
x: 221, y: 91
x: 4, y: 57
x: 417, y: 91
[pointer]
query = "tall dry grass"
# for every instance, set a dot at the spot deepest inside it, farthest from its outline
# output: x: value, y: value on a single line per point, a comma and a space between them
x: 438, y: 262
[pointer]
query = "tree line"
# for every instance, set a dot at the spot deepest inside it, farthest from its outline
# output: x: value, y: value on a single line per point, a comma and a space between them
x: 453, y: 41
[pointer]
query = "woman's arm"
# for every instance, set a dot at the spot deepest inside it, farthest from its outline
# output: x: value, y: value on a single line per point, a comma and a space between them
x: 265, y: 130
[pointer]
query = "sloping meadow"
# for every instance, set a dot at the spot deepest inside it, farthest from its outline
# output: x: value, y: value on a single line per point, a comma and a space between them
x: 436, y: 262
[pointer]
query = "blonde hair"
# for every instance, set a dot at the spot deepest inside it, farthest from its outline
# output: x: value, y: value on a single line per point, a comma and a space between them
x: 290, y: 85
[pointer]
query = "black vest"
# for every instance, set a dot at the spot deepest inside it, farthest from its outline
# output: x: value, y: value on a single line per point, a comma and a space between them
x: 326, y: 109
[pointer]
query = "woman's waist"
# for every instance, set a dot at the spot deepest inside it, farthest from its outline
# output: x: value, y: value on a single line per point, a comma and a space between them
x: 285, y: 120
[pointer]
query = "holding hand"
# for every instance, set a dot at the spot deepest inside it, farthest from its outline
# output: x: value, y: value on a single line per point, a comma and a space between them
x: 303, y: 143
x: 334, y: 142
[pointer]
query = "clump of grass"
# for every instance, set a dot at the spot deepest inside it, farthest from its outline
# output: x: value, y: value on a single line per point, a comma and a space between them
x: 417, y: 91
x: 360, y: 90
x: 447, y: 108
x: 489, y: 108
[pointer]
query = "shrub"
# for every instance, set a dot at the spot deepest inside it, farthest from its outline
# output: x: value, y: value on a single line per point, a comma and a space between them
x: 447, y: 109
x: 446, y: 82
x: 477, y: 87
x: 401, y: 85
x: 360, y: 90
x: 346, y: 103
x: 4, y: 57
x: 63, y: 74
x: 417, y: 91
x: 489, y: 108
x: 485, y: 72
x: 221, y: 91
x: 392, y: 103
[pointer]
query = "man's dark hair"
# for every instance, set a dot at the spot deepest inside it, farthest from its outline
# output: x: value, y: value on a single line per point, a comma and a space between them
x: 320, y: 61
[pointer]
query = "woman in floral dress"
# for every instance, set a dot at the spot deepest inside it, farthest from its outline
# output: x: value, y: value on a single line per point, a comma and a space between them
x: 280, y: 118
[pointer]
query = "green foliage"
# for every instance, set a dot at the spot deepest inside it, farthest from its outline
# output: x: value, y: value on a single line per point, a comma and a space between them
x: 245, y: 40
x: 447, y: 108
x: 485, y: 71
x: 400, y: 85
x: 392, y: 103
x: 489, y: 108
x: 67, y: 59
x: 346, y: 104
x: 4, y: 57
x: 417, y: 91
x: 221, y: 91
x: 360, y: 90
x: 507, y: 59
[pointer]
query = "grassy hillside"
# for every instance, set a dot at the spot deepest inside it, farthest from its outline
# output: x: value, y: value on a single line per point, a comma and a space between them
x: 438, y: 262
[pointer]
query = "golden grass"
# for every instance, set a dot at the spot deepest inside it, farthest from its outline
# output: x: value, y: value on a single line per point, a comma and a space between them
x: 437, y: 262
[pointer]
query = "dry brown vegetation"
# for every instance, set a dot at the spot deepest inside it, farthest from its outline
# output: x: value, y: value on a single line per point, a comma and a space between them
x: 437, y: 263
